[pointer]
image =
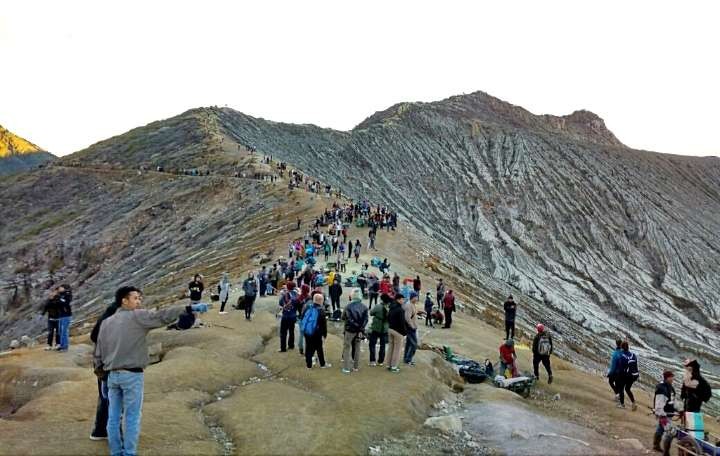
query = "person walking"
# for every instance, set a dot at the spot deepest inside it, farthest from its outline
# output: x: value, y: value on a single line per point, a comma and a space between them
x: 64, y: 298
x: 428, y: 310
x: 356, y: 250
x: 224, y: 292
x: 411, y: 341
x: 397, y: 329
x: 121, y: 353
x: 196, y: 288
x: 542, y: 348
x: 250, y: 289
x: 355, y: 317
x: 448, y: 307
x: 52, y: 309
x: 288, y: 314
x: 314, y: 328
x: 99, y: 431
x: 613, y: 370
x: 335, y: 292
x: 627, y: 374
x: 510, y: 309
x: 663, y: 407
x: 379, y: 330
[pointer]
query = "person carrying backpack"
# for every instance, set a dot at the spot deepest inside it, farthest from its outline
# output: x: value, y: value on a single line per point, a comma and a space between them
x: 542, y: 349
x: 314, y: 327
x: 397, y: 330
x: 695, y: 389
x: 613, y: 369
x: 627, y: 374
x: 288, y: 309
x: 379, y: 330
x: 663, y: 407
x: 510, y: 309
x: 355, y: 317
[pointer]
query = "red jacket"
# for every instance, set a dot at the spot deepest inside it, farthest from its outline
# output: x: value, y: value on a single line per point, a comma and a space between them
x: 506, y: 353
x: 449, y: 301
x: 386, y: 287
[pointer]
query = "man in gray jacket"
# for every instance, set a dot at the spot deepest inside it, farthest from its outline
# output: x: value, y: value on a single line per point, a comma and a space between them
x: 121, y: 351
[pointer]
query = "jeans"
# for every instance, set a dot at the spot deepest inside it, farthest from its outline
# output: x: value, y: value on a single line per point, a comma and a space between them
x: 125, y: 396
x: 411, y: 344
x: 101, y: 412
x: 314, y: 344
x: 394, y: 347
x: 374, y: 338
x: 428, y: 317
x: 65, y: 332
x: 351, y: 344
x: 287, y: 334
x: 53, y: 329
x: 509, y: 329
x: 545, y: 359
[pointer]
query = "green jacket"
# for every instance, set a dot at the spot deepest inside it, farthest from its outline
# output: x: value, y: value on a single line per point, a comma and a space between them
x: 380, y: 319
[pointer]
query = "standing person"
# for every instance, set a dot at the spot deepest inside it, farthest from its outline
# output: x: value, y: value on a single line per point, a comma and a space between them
x: 250, y: 290
x: 542, y: 348
x: 263, y: 279
x: 99, y: 431
x: 428, y: 310
x: 386, y: 286
x: 303, y: 303
x: 440, y: 292
x: 122, y: 353
x: 355, y: 317
x: 224, y: 292
x: 314, y: 327
x: 52, y: 308
x: 417, y: 285
x: 695, y: 389
x: 396, y: 283
x: 510, y: 309
x: 356, y: 250
x: 335, y: 292
x: 396, y: 332
x: 379, y: 330
x: 613, y: 370
x: 288, y: 308
x: 196, y: 288
x: 411, y: 341
x: 64, y: 315
x: 663, y: 407
x: 373, y: 288
x: 327, y: 249
x: 349, y: 249
x: 627, y: 374
x: 449, y: 307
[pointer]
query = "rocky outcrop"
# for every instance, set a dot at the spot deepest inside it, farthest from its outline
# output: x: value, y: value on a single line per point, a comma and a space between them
x: 18, y: 154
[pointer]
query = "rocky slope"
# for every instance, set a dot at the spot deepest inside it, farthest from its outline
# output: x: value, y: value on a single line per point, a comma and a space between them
x: 18, y: 154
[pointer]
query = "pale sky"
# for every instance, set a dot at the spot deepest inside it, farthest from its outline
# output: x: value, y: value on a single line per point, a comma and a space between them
x: 76, y: 72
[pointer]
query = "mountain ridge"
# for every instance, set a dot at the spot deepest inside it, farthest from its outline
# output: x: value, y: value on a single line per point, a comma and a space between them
x: 18, y: 154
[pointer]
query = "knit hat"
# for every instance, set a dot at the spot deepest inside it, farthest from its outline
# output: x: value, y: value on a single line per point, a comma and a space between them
x: 668, y: 374
x: 540, y: 327
x: 290, y: 285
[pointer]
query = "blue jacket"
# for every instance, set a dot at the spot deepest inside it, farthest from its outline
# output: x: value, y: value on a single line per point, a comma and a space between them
x: 615, y: 361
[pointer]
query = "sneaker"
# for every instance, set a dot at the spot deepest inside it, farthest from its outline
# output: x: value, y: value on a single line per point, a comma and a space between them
x: 617, y: 398
x: 223, y: 313
x: 282, y: 351
x: 355, y: 369
x: 345, y: 371
x: 48, y: 348
x: 372, y: 364
x: 98, y: 437
x: 410, y: 363
x: 634, y: 406
x: 301, y: 351
x: 394, y: 370
x: 550, y: 380
x: 326, y: 366
x: 620, y: 406
x: 381, y: 364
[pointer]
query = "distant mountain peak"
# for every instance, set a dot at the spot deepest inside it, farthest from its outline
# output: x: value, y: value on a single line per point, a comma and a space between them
x: 12, y: 144
x: 480, y: 106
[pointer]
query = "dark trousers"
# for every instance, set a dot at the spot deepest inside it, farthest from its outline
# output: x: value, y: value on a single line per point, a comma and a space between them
x: 448, y: 318
x: 263, y: 287
x: 287, y: 334
x: 314, y: 344
x: 545, y: 360
x: 624, y: 383
x: 410, y: 345
x: 249, y: 301
x: 613, y: 382
x: 509, y: 329
x: 373, y: 298
x: 53, y: 328
x: 335, y: 302
x: 101, y: 413
x: 428, y: 317
x: 374, y: 338
x: 222, y: 306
